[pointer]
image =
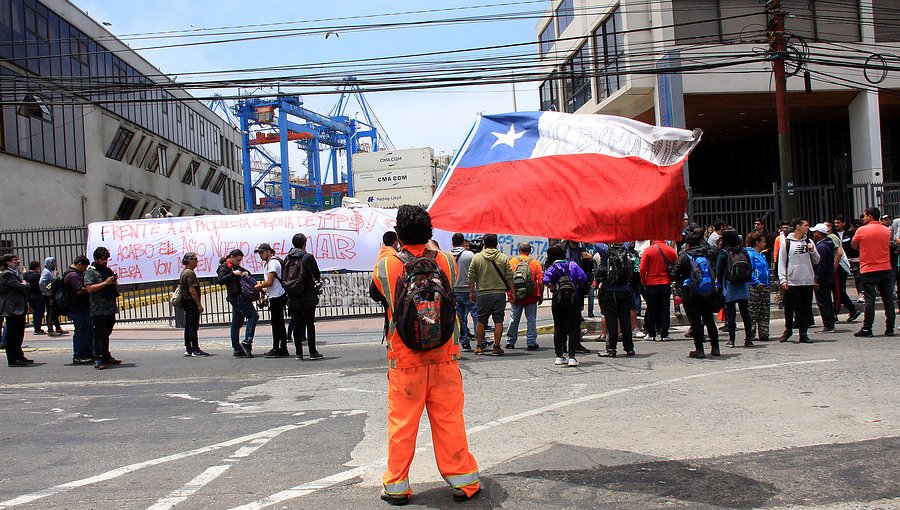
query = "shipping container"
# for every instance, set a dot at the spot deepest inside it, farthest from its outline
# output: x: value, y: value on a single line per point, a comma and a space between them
x: 395, y: 178
x: 396, y: 197
x: 390, y: 160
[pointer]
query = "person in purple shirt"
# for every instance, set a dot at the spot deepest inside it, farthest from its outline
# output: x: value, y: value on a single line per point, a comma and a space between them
x: 566, y: 303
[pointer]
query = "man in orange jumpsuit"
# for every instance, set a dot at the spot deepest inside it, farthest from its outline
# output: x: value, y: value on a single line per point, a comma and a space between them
x: 419, y: 380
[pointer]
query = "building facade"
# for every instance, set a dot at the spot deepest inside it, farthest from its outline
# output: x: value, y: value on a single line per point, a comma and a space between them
x: 90, y: 131
x: 611, y: 58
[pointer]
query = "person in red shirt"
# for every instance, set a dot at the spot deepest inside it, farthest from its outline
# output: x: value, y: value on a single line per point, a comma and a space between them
x: 657, y: 283
x: 873, y: 240
x: 423, y: 380
x: 528, y: 304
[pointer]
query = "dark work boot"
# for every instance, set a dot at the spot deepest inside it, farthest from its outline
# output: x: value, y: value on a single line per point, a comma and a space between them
x: 714, y: 349
x: 698, y: 351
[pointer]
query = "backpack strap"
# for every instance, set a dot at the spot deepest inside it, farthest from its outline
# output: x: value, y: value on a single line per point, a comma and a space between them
x: 502, y: 277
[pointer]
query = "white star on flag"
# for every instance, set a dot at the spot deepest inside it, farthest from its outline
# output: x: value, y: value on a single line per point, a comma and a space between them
x: 508, y: 138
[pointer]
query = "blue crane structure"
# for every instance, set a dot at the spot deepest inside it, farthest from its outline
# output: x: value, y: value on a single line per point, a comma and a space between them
x: 282, y: 120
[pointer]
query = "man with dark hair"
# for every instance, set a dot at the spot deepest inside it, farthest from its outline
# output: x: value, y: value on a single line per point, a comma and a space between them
x: 273, y: 288
x: 700, y: 309
x: 490, y: 275
x: 873, y: 240
x: 759, y: 227
x: 423, y: 380
x: 529, y: 303
x: 718, y: 227
x: 102, y: 284
x: 79, y: 311
x: 35, y: 296
x: 302, y: 305
x: 796, y: 276
x: 229, y: 274
x: 464, y: 306
x: 13, y: 306
x: 390, y: 245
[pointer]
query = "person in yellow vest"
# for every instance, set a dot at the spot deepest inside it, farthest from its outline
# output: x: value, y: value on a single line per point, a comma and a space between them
x: 423, y: 379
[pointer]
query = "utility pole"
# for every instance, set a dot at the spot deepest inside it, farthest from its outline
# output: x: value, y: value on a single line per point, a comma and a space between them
x: 776, y: 34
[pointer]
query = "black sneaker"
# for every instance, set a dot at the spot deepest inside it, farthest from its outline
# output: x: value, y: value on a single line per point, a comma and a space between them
x: 315, y: 355
x: 188, y: 354
x: 748, y: 343
x: 864, y: 333
x: 582, y: 350
x: 100, y: 365
x: 785, y: 336
x: 82, y: 361
x: 200, y: 352
x: 805, y: 339
x: 510, y: 346
x: 272, y: 353
x: 460, y: 495
x: 466, y: 348
x: 697, y: 354
x: 607, y: 354
x: 112, y: 361
x: 889, y: 332
x: 853, y: 316
x: 629, y: 353
x: 299, y: 356
x: 248, y: 349
x: 395, y: 499
x: 533, y: 347
x: 239, y: 354
x: 283, y: 353
x: 714, y: 350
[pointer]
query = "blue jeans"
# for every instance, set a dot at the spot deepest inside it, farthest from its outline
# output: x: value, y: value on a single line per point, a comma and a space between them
x: 82, y: 337
x: 515, y: 314
x: 242, y: 309
x: 590, y: 299
x: 465, y: 308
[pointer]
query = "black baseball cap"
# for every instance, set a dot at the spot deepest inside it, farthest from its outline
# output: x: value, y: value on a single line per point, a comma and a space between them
x: 263, y: 247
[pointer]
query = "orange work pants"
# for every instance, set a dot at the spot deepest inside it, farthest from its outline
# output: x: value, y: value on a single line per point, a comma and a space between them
x: 437, y: 388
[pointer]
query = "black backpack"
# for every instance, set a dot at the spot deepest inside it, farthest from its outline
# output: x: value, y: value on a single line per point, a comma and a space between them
x: 58, y: 295
x: 619, y: 266
x: 293, y: 275
x: 739, y: 268
x: 424, y: 304
x: 566, y: 294
x: 248, y: 288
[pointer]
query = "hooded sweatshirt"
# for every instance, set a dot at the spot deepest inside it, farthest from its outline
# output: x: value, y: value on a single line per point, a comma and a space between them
x: 463, y: 259
x: 795, y: 262
x: 47, y: 275
x: 487, y: 279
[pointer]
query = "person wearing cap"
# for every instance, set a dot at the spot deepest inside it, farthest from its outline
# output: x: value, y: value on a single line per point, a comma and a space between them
x: 824, y: 271
x: 797, y: 278
x: 873, y: 240
x: 193, y: 306
x: 272, y: 287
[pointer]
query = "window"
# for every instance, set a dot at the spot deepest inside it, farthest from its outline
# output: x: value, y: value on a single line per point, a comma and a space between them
x: 220, y: 184
x: 547, y: 38
x: 190, y: 174
x: 565, y: 13
x: 126, y: 208
x: 576, y: 81
x: 170, y: 169
x: 162, y: 160
x: 153, y: 165
x: 178, y: 113
x: 209, y: 177
x: 549, y: 95
x: 887, y: 20
x: 191, y: 121
x: 36, y: 23
x: 609, y: 52
x: 119, y: 145
x: 33, y: 106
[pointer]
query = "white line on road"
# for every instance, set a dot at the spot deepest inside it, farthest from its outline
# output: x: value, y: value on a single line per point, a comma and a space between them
x: 323, y: 483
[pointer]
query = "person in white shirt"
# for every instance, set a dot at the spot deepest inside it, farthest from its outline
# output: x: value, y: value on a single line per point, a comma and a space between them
x: 271, y: 285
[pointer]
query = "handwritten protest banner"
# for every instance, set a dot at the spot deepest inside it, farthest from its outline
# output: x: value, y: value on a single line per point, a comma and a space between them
x: 150, y: 250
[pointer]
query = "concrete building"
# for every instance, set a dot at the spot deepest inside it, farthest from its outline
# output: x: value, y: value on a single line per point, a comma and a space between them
x: 91, y: 131
x: 602, y: 57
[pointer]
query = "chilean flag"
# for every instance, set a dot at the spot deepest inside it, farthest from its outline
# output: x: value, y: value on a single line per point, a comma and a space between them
x: 594, y: 178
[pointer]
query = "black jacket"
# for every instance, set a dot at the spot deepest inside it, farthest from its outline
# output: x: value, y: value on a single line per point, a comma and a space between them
x: 225, y: 276
x: 12, y: 294
x: 309, y: 298
x: 683, y: 265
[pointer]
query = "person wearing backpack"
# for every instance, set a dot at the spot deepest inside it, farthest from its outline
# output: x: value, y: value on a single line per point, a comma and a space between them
x: 79, y: 311
x: 734, y: 272
x: 564, y: 277
x: 824, y: 270
x: 760, y: 296
x: 426, y: 379
x: 655, y: 269
x: 229, y: 274
x: 695, y: 276
x: 274, y: 290
x: 527, y: 293
x: 102, y: 284
x: 615, y: 276
x: 302, y: 281
x: 796, y: 276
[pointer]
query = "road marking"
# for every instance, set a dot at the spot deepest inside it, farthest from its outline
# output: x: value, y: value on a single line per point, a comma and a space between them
x: 179, y: 495
x: 186, y: 396
x: 329, y: 481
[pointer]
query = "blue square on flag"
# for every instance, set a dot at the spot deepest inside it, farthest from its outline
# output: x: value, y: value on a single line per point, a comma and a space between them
x: 499, y: 138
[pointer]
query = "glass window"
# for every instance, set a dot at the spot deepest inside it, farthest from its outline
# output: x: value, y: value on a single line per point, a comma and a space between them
x: 209, y: 177
x: 220, y: 184
x: 576, y: 81
x: 547, y: 38
x: 119, y: 145
x: 35, y: 107
x: 609, y: 53
x: 696, y: 21
x: 190, y: 173
x: 126, y: 208
x: 549, y: 95
x: 565, y: 13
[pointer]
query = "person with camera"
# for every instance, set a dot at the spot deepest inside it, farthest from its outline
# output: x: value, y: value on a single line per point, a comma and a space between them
x: 230, y: 274
x: 873, y: 240
x: 102, y: 285
x: 797, y: 277
x: 302, y: 302
x: 276, y: 298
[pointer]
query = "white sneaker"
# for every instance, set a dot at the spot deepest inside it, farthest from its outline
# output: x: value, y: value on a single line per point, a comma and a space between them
x: 649, y: 337
x: 573, y: 362
x: 664, y: 339
x: 560, y: 362
x: 636, y: 333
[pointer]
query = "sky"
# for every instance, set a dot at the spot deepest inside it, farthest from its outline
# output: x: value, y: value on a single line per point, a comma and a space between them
x: 430, y: 118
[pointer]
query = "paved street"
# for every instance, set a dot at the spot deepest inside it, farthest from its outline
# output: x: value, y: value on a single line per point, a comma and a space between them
x: 776, y: 426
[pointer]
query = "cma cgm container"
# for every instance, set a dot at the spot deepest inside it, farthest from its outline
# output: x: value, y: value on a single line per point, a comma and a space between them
x: 390, y: 160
